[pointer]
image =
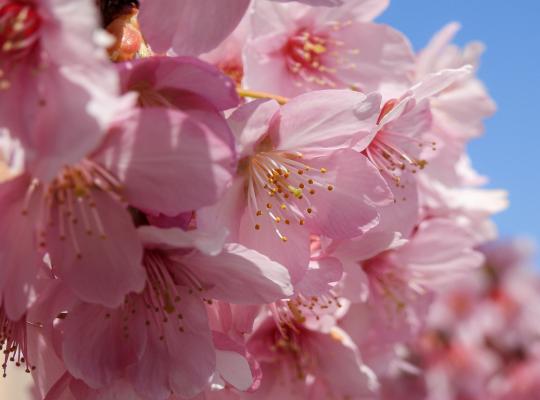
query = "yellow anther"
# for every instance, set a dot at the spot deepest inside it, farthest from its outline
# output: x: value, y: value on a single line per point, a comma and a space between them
x: 297, y: 314
x: 323, y: 170
x: 317, y: 48
x: 295, y: 191
x: 257, y: 226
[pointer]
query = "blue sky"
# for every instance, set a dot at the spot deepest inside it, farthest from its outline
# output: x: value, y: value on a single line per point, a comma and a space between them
x: 509, y: 151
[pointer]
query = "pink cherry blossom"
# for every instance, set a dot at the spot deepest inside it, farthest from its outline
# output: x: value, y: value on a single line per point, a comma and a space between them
x: 80, y: 217
x: 460, y: 110
x: 54, y: 77
x: 295, y: 48
x: 297, y: 175
x: 160, y: 339
x: 401, y: 284
x: 474, y: 344
x: 299, y: 362
x: 403, y: 126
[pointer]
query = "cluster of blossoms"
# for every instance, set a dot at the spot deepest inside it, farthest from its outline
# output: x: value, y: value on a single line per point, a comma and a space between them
x: 482, y: 338
x: 241, y: 199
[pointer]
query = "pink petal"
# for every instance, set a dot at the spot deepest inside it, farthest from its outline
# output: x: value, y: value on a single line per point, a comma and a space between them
x: 183, y: 361
x: 349, y: 209
x: 19, y: 258
x: 357, y: 10
x: 68, y: 74
x: 240, y: 275
x: 234, y: 368
x: 355, y: 284
x: 383, y: 59
x: 428, y: 57
x: 397, y: 220
x: 462, y: 110
x: 437, y: 82
x: 326, y: 3
x: 119, y: 389
x: 340, y: 365
x: 269, y: 18
x: 60, y: 390
x: 51, y: 140
x: 189, y: 26
x: 294, y: 253
x: 251, y: 122
x: 96, y: 347
x: 158, y: 153
x: 45, y: 342
x: 414, y: 121
x: 209, y: 243
x: 433, y: 260
x: 319, y: 275
x: 325, y: 120
x: 103, y: 269
x: 172, y: 77
x: 226, y: 212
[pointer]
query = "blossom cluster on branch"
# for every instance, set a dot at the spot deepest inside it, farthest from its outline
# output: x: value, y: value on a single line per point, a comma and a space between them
x: 241, y: 199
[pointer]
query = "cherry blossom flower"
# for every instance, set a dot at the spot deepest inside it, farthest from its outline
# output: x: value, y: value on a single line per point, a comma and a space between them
x: 400, y: 286
x: 297, y: 176
x: 53, y: 61
x: 298, y: 362
x: 160, y: 338
x: 295, y: 48
x: 459, y: 110
x: 80, y: 217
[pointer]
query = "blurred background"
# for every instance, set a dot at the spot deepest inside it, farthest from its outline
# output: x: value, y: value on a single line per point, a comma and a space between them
x: 509, y: 151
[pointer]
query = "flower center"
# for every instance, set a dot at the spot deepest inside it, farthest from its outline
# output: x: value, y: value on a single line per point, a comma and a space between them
x: 394, y: 152
x: 19, y: 28
x: 318, y: 58
x: 294, y: 312
x: 304, y: 52
x: 69, y: 200
x: 282, y: 186
x: 13, y: 343
x: 287, y: 342
x: 167, y: 286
